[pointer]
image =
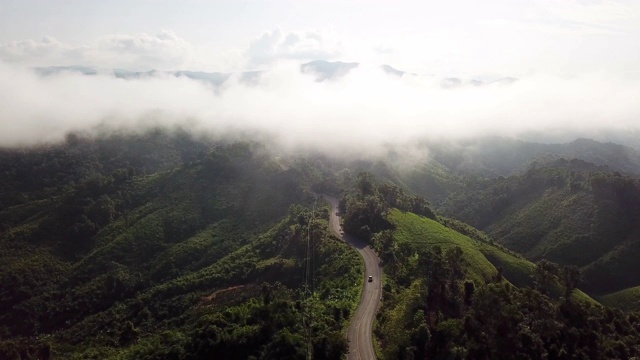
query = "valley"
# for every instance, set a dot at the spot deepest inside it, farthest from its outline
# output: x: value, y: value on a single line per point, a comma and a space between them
x: 201, y: 247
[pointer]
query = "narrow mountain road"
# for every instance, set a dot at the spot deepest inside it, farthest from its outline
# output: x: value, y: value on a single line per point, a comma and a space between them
x: 360, y: 330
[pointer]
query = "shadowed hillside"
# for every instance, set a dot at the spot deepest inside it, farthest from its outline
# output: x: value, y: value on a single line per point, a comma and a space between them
x: 570, y: 212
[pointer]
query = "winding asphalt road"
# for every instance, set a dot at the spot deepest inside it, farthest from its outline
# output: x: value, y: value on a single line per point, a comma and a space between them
x: 359, y: 333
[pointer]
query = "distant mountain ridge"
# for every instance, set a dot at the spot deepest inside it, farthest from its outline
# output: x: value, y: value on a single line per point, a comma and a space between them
x: 574, y: 203
x: 500, y: 156
x: 325, y: 70
x: 213, y: 78
x: 321, y: 69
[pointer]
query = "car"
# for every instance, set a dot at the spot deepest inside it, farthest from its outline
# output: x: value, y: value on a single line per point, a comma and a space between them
x: 370, y: 278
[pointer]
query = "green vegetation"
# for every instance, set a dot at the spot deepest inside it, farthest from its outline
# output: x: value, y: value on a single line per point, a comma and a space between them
x: 450, y: 295
x: 365, y: 209
x: 415, y: 232
x: 180, y: 250
x: 447, y: 295
x: 160, y: 245
x: 569, y: 212
x: 494, y: 156
x: 627, y: 299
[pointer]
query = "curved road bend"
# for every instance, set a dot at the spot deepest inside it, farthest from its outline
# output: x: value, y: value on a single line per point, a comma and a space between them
x: 360, y: 330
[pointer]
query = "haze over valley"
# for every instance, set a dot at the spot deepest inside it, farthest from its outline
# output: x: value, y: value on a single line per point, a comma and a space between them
x: 319, y: 179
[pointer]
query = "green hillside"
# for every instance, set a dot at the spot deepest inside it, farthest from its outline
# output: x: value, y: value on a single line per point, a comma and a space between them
x: 627, y: 299
x: 494, y: 156
x: 569, y: 212
x: 482, y: 259
x: 207, y: 258
x: 448, y: 291
x: 443, y: 294
x: 430, y: 179
x: 161, y: 245
x: 419, y: 232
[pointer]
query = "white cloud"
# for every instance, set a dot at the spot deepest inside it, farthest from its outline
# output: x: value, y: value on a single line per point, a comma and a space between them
x: 381, y: 49
x: 168, y: 51
x: 599, y: 13
x: 28, y: 51
x: 164, y: 50
x: 359, y: 112
x: 575, y: 17
x: 277, y: 45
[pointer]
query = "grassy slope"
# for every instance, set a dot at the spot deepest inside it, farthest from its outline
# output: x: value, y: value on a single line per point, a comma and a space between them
x: 421, y: 231
x: 403, y: 308
x: 482, y: 258
x: 627, y: 299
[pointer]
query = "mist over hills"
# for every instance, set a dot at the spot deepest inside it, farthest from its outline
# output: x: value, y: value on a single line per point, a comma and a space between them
x: 337, y: 107
x: 183, y: 195
x: 501, y: 156
x: 327, y: 180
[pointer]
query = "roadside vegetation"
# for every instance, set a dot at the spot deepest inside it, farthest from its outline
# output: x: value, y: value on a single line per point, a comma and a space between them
x: 450, y: 295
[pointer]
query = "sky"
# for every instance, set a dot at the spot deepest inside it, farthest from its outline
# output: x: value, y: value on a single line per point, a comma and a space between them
x: 578, y: 65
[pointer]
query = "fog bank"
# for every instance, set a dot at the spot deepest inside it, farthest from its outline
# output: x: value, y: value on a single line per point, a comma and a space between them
x: 363, y: 110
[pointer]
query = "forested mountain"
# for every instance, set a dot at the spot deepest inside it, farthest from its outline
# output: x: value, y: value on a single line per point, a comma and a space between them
x: 574, y: 203
x: 499, y: 156
x: 437, y: 168
x: 182, y: 249
x: 165, y: 245
x: 570, y: 212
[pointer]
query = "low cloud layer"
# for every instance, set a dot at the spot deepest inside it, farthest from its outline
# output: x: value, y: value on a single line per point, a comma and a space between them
x: 277, y: 45
x: 168, y: 51
x: 140, y: 51
x: 364, y: 110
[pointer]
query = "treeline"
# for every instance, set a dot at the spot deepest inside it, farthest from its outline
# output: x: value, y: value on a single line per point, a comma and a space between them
x: 30, y: 174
